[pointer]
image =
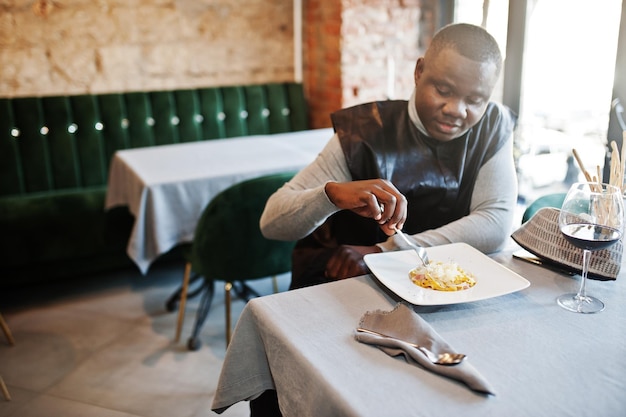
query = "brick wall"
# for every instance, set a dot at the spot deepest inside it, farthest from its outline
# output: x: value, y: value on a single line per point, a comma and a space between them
x: 53, y: 47
x: 379, y: 49
x: 322, y: 58
x: 362, y: 50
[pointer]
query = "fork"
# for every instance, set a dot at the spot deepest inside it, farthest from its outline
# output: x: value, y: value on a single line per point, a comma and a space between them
x: 421, y: 252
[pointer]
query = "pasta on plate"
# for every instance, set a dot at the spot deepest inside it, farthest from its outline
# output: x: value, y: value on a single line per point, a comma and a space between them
x: 442, y: 276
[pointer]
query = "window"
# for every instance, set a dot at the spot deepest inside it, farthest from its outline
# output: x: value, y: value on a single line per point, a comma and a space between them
x: 566, y: 85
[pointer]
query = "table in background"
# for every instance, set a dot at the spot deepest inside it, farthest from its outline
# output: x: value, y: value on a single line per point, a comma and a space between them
x: 541, y: 359
x: 167, y: 187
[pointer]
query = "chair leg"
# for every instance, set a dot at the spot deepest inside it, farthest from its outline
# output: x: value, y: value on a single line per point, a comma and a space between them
x: 7, y: 333
x: 194, y: 342
x: 183, y: 301
x: 244, y: 291
x: 227, y: 287
x: 275, y: 284
x: 5, y: 390
x: 6, y: 330
x: 172, y: 303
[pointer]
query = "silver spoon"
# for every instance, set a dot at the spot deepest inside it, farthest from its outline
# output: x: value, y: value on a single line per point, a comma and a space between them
x: 421, y: 252
x: 446, y: 358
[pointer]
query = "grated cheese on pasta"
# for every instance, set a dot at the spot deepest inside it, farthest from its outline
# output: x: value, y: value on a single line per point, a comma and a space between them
x: 442, y: 276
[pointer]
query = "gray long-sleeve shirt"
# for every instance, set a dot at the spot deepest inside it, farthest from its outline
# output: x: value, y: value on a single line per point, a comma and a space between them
x: 301, y: 205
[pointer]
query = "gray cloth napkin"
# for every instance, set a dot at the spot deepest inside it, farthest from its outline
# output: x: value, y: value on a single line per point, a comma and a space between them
x: 403, y: 323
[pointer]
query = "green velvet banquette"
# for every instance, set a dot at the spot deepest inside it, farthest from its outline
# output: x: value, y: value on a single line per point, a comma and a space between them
x: 55, y: 154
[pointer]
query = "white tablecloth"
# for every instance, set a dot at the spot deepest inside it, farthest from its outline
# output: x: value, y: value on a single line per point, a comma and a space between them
x: 167, y: 187
x: 541, y: 360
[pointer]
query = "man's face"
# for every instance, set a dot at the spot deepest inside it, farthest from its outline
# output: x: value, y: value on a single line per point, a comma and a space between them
x: 452, y: 92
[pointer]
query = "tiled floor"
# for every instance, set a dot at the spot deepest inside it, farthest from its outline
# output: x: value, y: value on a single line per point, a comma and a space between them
x: 104, y: 346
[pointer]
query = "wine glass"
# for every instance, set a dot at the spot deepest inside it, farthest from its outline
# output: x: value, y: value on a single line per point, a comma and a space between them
x: 591, y: 218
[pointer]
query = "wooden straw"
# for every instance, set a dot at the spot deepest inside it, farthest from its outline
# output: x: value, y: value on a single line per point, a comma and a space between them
x: 591, y: 180
x: 582, y: 166
x: 617, y: 166
x: 617, y: 172
x: 614, y: 171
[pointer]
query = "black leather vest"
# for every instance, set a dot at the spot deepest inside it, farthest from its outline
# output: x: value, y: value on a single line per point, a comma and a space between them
x: 379, y: 140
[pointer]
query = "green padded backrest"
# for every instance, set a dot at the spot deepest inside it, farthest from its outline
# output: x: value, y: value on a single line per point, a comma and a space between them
x: 235, y: 113
x: 165, y: 116
x: 549, y: 200
x: 114, y: 123
x: 35, y: 165
x: 212, y: 111
x: 278, y: 108
x: 90, y: 145
x: 257, y: 111
x: 253, y: 110
x: 11, y: 175
x: 189, y: 115
x: 228, y: 244
x: 298, y: 118
x: 140, y: 120
x: 61, y: 143
x: 67, y: 142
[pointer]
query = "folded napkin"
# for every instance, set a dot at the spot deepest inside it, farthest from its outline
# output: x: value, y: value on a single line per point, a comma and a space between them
x: 541, y: 236
x: 403, y: 323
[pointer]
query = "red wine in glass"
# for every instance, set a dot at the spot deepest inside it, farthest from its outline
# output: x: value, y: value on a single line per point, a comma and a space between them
x: 590, y: 236
x: 591, y: 218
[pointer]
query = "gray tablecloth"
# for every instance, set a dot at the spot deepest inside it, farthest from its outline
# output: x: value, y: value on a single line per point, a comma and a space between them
x: 167, y: 187
x: 541, y: 360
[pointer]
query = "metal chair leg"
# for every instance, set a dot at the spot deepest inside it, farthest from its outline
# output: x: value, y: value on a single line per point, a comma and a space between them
x: 194, y: 342
x: 241, y: 289
x: 275, y: 284
x: 172, y: 303
x: 183, y: 301
x: 244, y: 291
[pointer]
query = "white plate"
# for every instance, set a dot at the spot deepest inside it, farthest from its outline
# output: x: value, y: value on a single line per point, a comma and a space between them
x: 492, y: 279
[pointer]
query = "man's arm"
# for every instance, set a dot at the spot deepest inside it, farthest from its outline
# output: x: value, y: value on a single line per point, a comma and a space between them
x: 301, y: 205
x: 325, y: 187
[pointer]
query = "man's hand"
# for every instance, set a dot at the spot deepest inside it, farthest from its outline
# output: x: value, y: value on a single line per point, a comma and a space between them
x: 377, y: 199
x: 347, y: 261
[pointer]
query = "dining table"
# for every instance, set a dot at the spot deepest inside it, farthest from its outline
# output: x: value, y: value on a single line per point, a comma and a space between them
x: 540, y: 359
x: 167, y: 187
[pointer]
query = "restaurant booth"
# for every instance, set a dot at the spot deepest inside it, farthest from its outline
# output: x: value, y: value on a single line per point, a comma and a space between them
x: 55, y: 154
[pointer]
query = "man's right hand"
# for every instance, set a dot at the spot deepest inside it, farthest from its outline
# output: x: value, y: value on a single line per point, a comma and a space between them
x: 377, y: 199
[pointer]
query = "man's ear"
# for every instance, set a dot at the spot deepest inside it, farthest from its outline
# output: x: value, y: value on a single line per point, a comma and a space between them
x: 419, y: 69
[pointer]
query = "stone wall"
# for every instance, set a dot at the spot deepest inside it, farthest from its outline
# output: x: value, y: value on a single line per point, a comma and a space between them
x: 51, y: 47
x: 353, y: 50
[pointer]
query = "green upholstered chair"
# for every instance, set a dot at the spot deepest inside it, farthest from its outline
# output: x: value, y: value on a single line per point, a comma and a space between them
x: 548, y: 200
x: 228, y: 246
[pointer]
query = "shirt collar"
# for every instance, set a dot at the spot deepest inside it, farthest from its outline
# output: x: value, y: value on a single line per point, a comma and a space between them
x: 414, y: 116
